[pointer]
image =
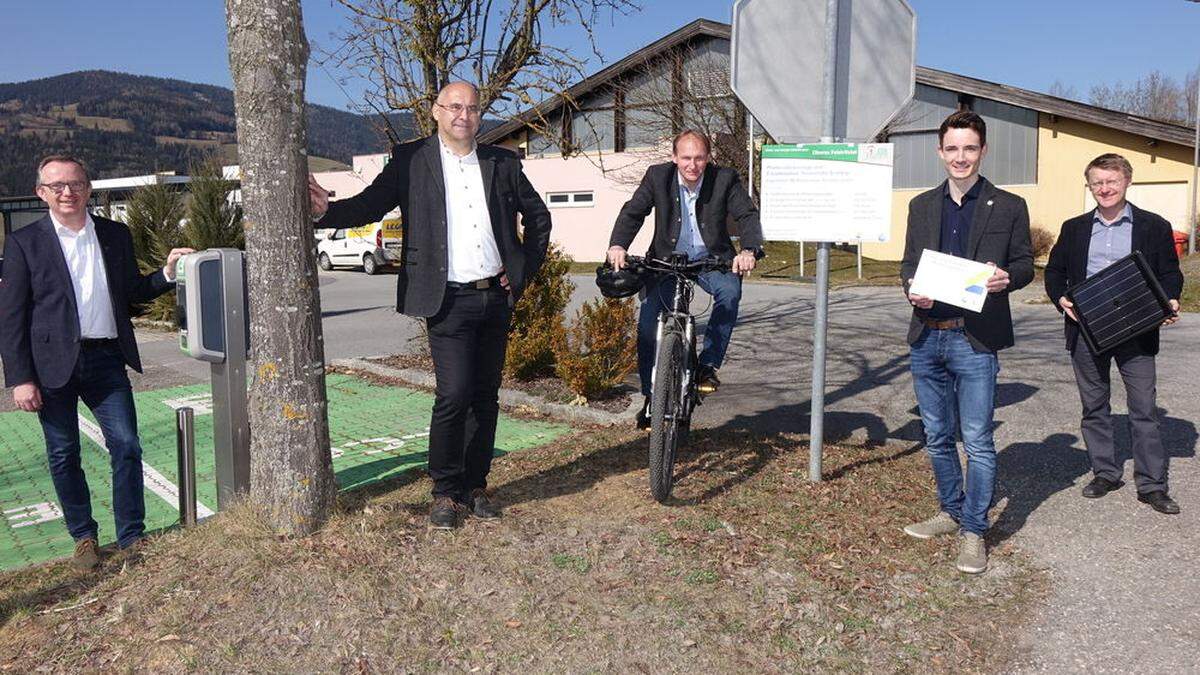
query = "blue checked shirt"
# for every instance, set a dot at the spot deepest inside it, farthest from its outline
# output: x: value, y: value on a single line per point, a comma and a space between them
x: 1110, y: 241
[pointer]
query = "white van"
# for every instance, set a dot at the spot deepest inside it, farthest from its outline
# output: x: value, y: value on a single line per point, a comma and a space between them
x: 370, y: 246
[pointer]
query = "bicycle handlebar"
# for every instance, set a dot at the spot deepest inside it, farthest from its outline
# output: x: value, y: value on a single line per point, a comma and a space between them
x: 680, y: 266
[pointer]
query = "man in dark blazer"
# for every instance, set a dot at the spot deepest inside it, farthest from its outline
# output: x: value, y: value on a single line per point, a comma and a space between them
x: 694, y: 203
x: 1087, y: 244
x: 65, y: 335
x: 954, y: 351
x: 463, y: 265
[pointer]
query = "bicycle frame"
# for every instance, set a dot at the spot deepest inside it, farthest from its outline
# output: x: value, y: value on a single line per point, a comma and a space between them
x: 678, y: 317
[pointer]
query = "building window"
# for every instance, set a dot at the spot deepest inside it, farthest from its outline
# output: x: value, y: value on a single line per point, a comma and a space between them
x: 570, y: 199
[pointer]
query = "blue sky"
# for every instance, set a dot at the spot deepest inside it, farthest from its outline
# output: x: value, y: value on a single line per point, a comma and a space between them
x: 1018, y: 42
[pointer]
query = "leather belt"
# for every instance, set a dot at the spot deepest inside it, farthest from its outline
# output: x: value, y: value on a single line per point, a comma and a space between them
x: 93, y: 343
x: 944, y: 324
x: 478, y: 284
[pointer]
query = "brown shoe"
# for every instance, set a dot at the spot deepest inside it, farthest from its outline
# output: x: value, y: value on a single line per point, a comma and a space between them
x: 706, y: 380
x: 444, y: 514
x: 86, y: 555
x: 482, y: 505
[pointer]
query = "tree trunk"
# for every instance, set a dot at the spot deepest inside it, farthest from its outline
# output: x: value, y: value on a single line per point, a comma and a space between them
x: 291, y: 473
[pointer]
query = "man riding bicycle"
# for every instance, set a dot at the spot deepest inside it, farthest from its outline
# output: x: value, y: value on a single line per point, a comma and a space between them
x: 694, y: 203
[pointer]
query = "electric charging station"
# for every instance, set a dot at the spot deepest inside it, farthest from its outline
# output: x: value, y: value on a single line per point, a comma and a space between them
x: 212, y: 310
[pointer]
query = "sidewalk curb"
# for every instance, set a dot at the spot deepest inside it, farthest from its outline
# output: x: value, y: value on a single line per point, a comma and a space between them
x: 508, y: 397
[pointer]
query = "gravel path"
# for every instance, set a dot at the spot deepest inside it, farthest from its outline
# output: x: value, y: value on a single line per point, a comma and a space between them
x: 1125, y: 595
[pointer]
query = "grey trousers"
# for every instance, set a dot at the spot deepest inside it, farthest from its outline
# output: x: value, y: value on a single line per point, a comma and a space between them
x: 1137, y: 371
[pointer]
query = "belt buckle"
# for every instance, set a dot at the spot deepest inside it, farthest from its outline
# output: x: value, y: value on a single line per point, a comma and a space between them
x: 482, y: 284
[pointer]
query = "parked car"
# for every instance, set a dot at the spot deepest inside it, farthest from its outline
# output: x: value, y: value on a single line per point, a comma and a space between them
x: 371, y: 246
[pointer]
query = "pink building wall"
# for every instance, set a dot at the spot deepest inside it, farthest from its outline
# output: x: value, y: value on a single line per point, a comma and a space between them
x: 583, y: 231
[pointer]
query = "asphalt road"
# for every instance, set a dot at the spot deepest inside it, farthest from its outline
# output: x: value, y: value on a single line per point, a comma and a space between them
x: 1125, y: 595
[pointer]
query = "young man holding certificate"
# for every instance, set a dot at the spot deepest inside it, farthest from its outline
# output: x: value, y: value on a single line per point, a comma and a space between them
x: 954, y: 350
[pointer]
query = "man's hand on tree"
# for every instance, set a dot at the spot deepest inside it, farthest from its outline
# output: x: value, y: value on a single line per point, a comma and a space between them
x: 318, y: 197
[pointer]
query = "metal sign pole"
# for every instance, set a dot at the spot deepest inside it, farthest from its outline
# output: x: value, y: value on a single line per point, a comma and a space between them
x: 231, y: 425
x: 820, y: 325
x: 1195, y: 163
x: 750, y: 155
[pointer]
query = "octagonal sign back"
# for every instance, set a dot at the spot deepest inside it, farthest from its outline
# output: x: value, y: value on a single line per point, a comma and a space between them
x: 778, y: 59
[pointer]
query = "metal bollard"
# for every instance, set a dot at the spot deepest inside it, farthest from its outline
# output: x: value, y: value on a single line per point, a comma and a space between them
x: 185, y: 445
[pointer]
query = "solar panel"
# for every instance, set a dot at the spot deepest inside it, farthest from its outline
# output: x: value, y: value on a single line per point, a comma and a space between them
x: 1119, y: 303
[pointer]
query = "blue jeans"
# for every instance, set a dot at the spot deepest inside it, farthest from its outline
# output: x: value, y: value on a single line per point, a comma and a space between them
x: 726, y: 291
x: 99, y: 380
x: 956, y: 389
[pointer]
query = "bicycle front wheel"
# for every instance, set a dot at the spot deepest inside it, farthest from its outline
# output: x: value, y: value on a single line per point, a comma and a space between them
x: 666, y: 413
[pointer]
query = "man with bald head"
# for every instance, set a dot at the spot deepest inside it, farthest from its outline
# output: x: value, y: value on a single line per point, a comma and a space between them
x: 463, y: 265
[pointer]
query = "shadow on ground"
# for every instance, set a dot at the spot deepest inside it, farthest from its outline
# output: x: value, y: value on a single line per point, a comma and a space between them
x: 1029, y: 474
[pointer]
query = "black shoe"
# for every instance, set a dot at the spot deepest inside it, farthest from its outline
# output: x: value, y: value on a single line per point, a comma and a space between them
x: 706, y: 380
x: 1159, y: 501
x: 444, y: 513
x: 643, y: 416
x: 1100, y: 487
x: 482, y: 505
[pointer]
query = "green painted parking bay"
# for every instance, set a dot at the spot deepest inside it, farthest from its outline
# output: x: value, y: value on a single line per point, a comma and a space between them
x: 376, y: 431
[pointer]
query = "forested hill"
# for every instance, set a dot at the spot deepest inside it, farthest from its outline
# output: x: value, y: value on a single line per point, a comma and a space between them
x: 132, y: 124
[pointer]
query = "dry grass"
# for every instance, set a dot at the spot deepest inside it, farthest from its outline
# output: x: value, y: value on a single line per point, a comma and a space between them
x: 750, y: 569
x: 783, y: 263
x: 1190, y: 265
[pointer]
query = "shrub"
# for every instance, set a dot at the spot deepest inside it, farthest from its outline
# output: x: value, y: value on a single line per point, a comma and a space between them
x: 538, y: 318
x: 599, y: 349
x: 153, y: 219
x: 1040, y: 241
x: 213, y: 219
x: 161, y: 218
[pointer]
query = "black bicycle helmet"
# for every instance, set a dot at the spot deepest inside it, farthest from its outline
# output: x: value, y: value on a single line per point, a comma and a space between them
x: 616, y: 283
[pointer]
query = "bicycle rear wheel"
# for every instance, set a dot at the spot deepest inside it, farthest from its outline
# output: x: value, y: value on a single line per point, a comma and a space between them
x: 666, y: 413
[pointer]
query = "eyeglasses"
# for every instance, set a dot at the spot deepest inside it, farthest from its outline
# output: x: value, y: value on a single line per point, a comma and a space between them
x: 1110, y: 183
x: 458, y: 108
x: 76, y: 186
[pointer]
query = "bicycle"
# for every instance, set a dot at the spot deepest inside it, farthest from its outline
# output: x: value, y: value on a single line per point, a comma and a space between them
x: 673, y: 386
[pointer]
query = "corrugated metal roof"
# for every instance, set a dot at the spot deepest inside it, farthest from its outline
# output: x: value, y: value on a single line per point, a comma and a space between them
x: 1113, y: 119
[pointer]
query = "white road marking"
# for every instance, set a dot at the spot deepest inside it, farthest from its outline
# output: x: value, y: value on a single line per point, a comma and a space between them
x: 154, y: 481
x: 201, y: 404
x: 24, y: 516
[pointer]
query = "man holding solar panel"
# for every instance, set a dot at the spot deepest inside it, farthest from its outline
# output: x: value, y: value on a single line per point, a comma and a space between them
x: 1088, y: 245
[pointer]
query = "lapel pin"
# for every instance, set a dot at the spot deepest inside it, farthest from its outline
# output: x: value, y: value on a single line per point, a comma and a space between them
x: 989, y: 202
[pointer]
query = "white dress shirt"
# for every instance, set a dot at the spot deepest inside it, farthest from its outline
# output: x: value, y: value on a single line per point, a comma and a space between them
x: 93, y: 301
x: 473, y: 254
x: 690, y: 240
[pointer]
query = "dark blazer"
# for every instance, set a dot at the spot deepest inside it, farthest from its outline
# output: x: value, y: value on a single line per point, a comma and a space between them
x: 39, y: 324
x: 412, y: 180
x: 1068, y: 265
x: 999, y: 234
x: 722, y: 198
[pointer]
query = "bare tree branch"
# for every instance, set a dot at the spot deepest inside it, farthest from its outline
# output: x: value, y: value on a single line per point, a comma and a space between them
x: 408, y: 50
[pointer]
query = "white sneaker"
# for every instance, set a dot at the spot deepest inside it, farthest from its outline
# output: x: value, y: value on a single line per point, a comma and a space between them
x: 938, y: 525
x: 972, y: 554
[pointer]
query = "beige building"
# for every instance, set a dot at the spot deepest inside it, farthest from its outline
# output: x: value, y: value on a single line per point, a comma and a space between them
x: 1038, y: 145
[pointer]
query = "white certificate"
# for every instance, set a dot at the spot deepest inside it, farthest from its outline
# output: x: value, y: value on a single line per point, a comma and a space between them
x: 952, y: 280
